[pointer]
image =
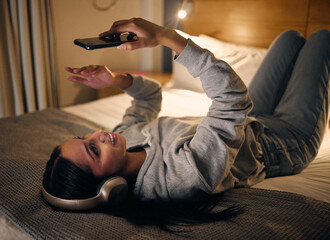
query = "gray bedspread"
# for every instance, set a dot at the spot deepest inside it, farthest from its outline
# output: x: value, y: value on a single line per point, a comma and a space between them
x: 26, y: 143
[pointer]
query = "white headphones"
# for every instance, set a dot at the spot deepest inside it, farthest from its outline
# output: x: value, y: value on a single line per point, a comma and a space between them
x: 110, y: 192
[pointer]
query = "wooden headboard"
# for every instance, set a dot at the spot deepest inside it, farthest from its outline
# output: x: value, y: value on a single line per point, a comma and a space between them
x: 256, y: 22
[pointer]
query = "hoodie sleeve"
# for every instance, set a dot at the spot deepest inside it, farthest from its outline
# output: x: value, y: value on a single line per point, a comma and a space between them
x: 146, y: 103
x: 220, y: 135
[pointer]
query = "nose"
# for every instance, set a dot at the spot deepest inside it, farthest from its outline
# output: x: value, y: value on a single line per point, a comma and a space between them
x: 98, y: 135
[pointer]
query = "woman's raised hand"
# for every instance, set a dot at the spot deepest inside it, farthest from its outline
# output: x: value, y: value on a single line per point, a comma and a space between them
x: 94, y: 76
x: 98, y: 77
x: 149, y: 34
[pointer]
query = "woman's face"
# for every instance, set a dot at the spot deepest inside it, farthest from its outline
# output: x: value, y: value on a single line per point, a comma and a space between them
x: 104, y: 153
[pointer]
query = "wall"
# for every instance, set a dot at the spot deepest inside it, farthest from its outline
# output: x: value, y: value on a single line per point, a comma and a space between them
x: 171, y: 8
x: 79, y: 19
x: 256, y: 22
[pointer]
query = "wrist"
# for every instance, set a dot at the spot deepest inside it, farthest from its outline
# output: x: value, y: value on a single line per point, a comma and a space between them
x: 171, y: 39
x: 164, y: 35
x: 123, y: 81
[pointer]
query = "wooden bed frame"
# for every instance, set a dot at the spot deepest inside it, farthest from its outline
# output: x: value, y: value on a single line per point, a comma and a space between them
x: 256, y: 22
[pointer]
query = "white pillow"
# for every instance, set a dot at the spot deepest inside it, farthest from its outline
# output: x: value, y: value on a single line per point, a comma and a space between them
x: 243, y: 59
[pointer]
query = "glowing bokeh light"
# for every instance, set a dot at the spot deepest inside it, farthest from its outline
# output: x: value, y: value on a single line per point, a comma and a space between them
x: 182, y: 13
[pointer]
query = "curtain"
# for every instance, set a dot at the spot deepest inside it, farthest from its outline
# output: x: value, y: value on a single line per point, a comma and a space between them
x: 27, y: 71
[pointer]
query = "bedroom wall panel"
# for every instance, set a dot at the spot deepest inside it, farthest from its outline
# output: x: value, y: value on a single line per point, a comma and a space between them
x: 255, y: 22
x: 319, y: 16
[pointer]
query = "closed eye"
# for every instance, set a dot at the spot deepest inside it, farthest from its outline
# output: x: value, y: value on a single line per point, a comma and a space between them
x: 91, y: 147
x: 94, y: 150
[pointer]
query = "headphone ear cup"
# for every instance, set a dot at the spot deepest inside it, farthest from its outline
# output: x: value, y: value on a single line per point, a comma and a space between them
x: 101, y: 184
x: 118, y: 194
x: 114, y: 190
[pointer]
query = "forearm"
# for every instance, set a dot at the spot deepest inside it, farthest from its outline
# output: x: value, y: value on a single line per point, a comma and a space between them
x: 230, y: 99
x: 146, y: 104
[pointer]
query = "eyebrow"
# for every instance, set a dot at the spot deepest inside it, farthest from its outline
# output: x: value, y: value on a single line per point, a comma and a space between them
x: 88, y: 152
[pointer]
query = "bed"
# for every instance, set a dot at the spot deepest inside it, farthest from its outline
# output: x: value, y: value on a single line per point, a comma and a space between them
x: 290, y: 207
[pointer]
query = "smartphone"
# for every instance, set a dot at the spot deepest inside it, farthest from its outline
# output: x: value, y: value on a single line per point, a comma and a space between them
x: 105, y: 42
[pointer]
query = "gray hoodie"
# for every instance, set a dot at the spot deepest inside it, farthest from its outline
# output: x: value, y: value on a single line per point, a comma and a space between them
x: 191, y: 157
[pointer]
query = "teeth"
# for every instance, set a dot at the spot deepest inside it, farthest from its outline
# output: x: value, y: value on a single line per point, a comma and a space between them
x: 111, y: 138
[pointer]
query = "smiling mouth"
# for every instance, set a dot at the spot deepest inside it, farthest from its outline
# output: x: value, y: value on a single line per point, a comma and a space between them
x: 112, y: 138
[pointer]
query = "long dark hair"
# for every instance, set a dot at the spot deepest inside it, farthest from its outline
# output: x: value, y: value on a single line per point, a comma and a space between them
x: 64, y: 179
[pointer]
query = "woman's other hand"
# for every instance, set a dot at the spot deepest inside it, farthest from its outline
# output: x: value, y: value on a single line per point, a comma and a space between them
x: 98, y: 77
x: 149, y: 34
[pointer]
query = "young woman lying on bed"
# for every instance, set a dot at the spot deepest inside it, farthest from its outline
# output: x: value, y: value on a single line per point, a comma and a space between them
x: 275, y: 128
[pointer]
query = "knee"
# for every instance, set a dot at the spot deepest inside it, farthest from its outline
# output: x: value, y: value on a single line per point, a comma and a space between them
x: 322, y: 35
x: 319, y: 42
x: 292, y: 33
x: 290, y: 36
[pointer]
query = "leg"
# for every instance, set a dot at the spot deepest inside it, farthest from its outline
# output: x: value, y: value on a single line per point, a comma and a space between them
x: 305, y: 103
x: 297, y: 126
x: 271, y: 78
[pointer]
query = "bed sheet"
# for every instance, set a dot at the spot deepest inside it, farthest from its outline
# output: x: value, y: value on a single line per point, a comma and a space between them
x: 24, y: 214
x: 314, y: 181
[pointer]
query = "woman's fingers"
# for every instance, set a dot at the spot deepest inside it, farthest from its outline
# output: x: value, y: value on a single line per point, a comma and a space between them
x: 68, y: 69
x: 75, y: 70
x: 76, y: 79
x: 95, y: 76
x: 99, y: 69
x: 87, y: 70
x: 131, y: 45
x: 89, y: 81
x: 118, y: 27
x: 145, y: 31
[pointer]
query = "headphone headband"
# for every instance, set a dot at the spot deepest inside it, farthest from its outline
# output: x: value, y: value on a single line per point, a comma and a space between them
x: 113, y: 191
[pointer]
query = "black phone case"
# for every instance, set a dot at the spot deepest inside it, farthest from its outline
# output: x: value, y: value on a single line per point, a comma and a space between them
x: 96, y: 43
x: 105, y: 42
